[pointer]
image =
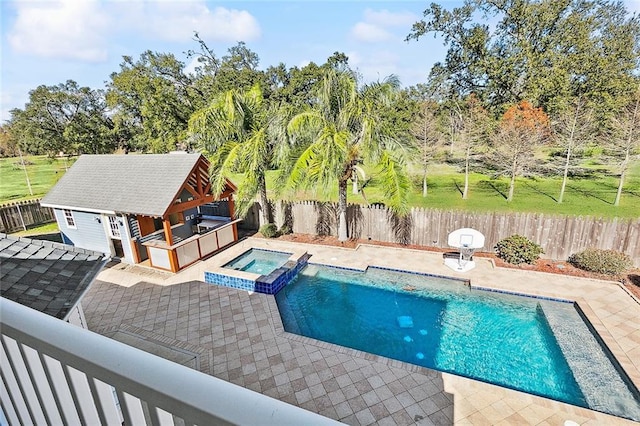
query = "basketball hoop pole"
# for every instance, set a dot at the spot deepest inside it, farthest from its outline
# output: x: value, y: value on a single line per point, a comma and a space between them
x: 465, y: 255
x: 466, y: 240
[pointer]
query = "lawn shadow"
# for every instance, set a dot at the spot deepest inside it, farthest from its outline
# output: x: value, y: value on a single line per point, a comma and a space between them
x: 455, y: 183
x: 499, y: 187
x: 540, y: 192
x: 588, y: 194
x: 635, y: 279
x: 614, y: 188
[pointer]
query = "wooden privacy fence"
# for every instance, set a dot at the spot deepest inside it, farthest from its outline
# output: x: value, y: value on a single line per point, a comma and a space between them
x: 19, y: 216
x: 559, y: 236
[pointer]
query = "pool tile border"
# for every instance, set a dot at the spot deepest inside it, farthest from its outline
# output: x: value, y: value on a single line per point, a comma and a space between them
x: 619, y: 358
x: 515, y: 293
x: 278, y: 328
x: 266, y: 284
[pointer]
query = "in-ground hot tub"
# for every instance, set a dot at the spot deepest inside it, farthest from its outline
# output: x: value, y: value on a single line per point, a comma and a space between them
x: 259, y: 270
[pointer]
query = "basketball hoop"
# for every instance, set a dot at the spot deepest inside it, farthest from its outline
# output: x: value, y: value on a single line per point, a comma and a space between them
x: 467, y: 241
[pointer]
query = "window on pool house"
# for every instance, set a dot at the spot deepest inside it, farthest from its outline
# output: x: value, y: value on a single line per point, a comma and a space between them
x: 113, y: 227
x: 68, y: 217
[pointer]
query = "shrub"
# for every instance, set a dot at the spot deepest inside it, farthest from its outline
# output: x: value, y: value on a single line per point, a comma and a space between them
x: 285, y: 230
x: 609, y: 262
x: 268, y: 230
x: 517, y: 249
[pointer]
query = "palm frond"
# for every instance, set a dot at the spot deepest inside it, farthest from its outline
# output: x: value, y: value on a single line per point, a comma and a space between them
x: 246, y: 194
x: 256, y: 151
x: 298, y: 173
x: 223, y: 163
x: 395, y: 183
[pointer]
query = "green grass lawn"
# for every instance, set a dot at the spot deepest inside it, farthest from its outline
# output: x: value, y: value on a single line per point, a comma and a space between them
x: 48, y: 228
x: 593, y: 196
x: 584, y: 197
x: 43, y: 173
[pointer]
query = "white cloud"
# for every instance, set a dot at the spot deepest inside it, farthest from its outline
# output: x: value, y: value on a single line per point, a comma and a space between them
x: 376, y: 25
x: 176, y: 21
x: 12, y: 97
x: 376, y: 65
x: 68, y: 29
x: 371, y: 33
x: 390, y: 19
x: 83, y: 29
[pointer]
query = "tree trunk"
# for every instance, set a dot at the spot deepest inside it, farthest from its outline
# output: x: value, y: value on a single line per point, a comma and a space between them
x: 622, y: 176
x: 425, y: 188
x: 354, y: 179
x: 512, y: 184
x: 264, y: 201
x: 26, y: 174
x: 453, y: 131
x: 565, y: 174
x: 465, y: 192
x: 342, y: 210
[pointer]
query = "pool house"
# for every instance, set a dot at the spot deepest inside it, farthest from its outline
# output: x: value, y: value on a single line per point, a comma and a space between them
x: 154, y: 209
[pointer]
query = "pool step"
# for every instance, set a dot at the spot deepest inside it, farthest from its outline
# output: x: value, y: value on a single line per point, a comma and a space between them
x: 585, y: 355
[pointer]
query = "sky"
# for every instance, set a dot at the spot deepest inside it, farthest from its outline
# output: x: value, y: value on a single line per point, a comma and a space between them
x: 51, y: 41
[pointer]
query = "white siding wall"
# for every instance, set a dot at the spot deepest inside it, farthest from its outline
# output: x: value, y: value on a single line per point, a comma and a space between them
x: 126, y: 239
x: 88, y: 233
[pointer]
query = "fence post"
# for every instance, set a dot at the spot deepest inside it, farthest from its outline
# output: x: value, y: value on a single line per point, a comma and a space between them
x: 24, y: 228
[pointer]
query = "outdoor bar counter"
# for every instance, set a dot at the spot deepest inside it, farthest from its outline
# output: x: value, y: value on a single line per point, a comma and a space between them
x: 189, y: 250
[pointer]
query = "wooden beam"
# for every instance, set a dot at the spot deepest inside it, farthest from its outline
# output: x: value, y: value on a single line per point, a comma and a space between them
x: 232, y: 208
x: 180, y: 207
x: 167, y: 231
x: 173, y: 261
x: 191, y: 191
x: 199, y: 179
x: 203, y: 172
x: 231, y: 185
x: 207, y: 188
x: 135, y: 251
x: 226, y: 194
x: 145, y: 224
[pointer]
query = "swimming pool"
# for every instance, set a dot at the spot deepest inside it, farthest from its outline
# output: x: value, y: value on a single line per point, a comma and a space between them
x: 258, y: 261
x: 539, y: 346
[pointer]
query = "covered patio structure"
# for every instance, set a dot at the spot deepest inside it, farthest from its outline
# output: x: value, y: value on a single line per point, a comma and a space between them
x: 155, y: 209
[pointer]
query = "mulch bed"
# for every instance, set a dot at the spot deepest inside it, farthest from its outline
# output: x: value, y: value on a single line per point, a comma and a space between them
x: 630, y: 280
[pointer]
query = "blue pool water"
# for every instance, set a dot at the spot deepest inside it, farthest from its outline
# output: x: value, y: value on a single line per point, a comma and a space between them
x: 259, y: 261
x: 445, y: 325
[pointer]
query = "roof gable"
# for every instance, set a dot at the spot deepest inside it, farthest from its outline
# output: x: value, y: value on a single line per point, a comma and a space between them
x: 136, y: 184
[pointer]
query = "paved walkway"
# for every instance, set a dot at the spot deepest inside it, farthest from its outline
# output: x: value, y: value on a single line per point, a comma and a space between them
x: 239, y: 337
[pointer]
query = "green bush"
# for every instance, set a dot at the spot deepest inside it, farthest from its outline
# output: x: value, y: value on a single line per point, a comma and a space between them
x: 609, y: 262
x: 268, y: 230
x: 285, y: 230
x: 517, y: 249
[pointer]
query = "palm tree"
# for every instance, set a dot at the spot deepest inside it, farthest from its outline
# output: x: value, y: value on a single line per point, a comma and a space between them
x: 345, y: 128
x: 233, y: 133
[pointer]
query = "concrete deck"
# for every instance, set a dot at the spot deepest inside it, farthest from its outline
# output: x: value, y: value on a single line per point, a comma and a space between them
x: 239, y: 337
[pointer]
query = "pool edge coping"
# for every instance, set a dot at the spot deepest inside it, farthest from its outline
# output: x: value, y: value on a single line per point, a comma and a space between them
x: 278, y: 329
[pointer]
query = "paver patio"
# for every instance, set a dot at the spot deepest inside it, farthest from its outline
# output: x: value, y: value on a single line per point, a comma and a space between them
x: 238, y: 337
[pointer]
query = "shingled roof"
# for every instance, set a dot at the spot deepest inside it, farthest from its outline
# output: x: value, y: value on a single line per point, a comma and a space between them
x: 47, y: 276
x: 135, y: 184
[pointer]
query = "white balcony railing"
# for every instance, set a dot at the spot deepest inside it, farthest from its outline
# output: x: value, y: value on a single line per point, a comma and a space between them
x: 56, y: 373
